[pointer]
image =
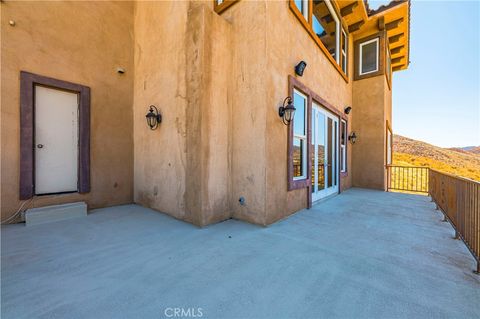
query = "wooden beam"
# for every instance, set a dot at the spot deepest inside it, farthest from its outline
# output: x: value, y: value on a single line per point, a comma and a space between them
x: 354, y: 27
x: 397, y: 49
x: 396, y: 60
x: 328, y: 18
x: 381, y: 23
x: 398, y: 68
x: 393, y: 24
x: 395, y: 38
x: 345, y: 11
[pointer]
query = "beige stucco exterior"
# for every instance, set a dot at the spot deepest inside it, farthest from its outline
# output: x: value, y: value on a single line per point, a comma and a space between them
x: 218, y: 81
x: 372, y: 102
x: 80, y: 42
x: 183, y: 167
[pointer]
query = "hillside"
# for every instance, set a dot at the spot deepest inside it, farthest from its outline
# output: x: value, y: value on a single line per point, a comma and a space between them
x: 458, y: 161
x: 468, y: 149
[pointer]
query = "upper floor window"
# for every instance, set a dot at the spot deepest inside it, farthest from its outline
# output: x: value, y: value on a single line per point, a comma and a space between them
x: 369, y: 56
x: 344, y: 45
x: 326, y: 27
x: 299, y: 136
x: 324, y: 24
x: 302, y: 6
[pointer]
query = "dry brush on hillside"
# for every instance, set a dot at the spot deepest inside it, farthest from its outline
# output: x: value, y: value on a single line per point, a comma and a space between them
x: 463, y: 162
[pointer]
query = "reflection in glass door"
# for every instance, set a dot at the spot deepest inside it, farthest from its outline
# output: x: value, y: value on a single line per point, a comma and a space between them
x: 324, y: 155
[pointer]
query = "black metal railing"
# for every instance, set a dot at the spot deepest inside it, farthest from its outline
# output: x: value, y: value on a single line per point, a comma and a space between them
x: 407, y: 178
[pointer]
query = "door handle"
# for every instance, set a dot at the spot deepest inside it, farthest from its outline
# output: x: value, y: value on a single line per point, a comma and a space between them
x: 39, y: 145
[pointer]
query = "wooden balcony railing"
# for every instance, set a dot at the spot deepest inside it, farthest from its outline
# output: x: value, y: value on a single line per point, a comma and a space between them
x: 459, y: 200
x: 407, y: 178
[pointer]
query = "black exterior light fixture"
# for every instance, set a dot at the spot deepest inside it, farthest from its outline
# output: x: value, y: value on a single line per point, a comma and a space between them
x: 153, y: 117
x: 347, y: 110
x: 300, y: 67
x: 352, y: 137
x: 287, y: 111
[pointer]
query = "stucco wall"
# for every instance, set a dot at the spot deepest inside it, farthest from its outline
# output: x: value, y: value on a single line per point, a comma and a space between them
x: 263, y: 58
x: 369, y: 100
x: 182, y: 62
x: 287, y: 44
x: 231, y: 142
x: 81, y: 42
x: 388, y: 118
x: 160, y: 155
x: 218, y: 81
x: 249, y: 109
x: 208, y: 115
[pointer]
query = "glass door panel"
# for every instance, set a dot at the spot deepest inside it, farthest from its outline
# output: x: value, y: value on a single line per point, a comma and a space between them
x: 335, y: 151
x: 320, y: 151
x: 313, y: 152
x: 324, y: 142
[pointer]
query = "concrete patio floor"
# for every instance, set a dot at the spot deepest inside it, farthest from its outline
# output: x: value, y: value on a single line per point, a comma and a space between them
x: 362, y: 254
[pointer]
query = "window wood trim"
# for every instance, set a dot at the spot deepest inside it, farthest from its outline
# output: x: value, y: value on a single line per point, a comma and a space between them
x: 343, y: 31
x: 375, y: 41
x: 219, y: 8
x: 308, y: 26
x: 381, y: 56
x: 28, y: 81
x: 294, y: 84
x: 312, y: 97
x: 301, y: 137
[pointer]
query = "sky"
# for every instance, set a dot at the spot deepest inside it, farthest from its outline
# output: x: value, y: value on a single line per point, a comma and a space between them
x: 437, y: 99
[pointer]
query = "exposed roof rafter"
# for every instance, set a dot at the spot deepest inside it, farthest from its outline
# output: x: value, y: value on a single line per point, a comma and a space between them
x: 397, y: 49
x: 356, y: 26
x: 345, y: 11
x: 396, y: 60
x: 398, y: 68
x: 395, y: 38
x: 393, y: 24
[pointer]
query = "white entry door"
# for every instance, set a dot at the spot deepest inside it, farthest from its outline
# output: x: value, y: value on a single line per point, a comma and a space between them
x: 56, y: 141
x: 325, y: 153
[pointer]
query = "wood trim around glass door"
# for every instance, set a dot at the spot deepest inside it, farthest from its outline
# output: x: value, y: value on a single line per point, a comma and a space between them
x: 28, y: 81
x: 293, y: 83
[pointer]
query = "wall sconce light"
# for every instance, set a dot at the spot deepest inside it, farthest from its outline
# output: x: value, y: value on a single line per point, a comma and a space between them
x: 347, y: 110
x: 300, y: 67
x: 352, y: 137
x: 287, y: 111
x: 153, y: 117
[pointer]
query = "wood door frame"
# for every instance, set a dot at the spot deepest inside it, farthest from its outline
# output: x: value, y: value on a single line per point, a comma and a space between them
x: 292, y: 184
x: 334, y: 148
x: 28, y: 81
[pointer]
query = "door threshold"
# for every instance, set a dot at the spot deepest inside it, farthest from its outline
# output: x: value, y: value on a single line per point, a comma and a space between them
x: 318, y: 201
